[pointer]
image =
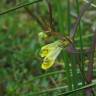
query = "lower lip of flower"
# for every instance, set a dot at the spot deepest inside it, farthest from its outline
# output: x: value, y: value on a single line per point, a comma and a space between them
x: 47, y: 64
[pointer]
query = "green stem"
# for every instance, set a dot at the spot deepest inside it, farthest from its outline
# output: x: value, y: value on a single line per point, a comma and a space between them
x: 81, y: 45
x: 20, y: 6
x: 65, y: 93
x: 79, y: 89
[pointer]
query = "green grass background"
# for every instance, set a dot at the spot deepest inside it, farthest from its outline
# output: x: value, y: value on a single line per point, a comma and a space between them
x: 20, y: 62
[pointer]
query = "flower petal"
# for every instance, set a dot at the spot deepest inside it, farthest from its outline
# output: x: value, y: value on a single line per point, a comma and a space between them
x: 50, y: 59
x: 45, y: 50
x: 47, y: 64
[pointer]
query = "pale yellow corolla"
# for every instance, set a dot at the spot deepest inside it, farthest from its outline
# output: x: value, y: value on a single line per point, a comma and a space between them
x: 51, y: 51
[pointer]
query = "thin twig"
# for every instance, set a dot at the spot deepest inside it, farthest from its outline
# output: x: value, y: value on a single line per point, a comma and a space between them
x: 84, y: 8
x: 93, y: 5
x: 89, y: 76
x: 91, y: 59
x: 50, y: 14
x: 36, y: 17
x: 20, y: 6
x: 82, y: 88
x: 62, y: 87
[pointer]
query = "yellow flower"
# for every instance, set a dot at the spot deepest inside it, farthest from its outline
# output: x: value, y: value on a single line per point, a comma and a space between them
x: 51, y: 51
x: 86, y: 61
x: 50, y: 58
x: 49, y: 47
x: 42, y: 36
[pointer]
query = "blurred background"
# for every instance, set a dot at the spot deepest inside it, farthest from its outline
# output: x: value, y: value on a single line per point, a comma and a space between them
x: 22, y: 34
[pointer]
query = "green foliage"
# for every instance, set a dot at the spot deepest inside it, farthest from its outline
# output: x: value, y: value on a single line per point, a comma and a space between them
x: 20, y: 62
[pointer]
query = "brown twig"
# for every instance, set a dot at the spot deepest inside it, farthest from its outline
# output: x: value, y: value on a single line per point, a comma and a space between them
x: 36, y: 17
x: 84, y: 8
x: 50, y: 14
x: 89, y: 76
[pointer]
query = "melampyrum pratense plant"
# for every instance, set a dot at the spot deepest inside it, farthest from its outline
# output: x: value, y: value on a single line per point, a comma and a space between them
x: 68, y: 33
x: 50, y: 52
